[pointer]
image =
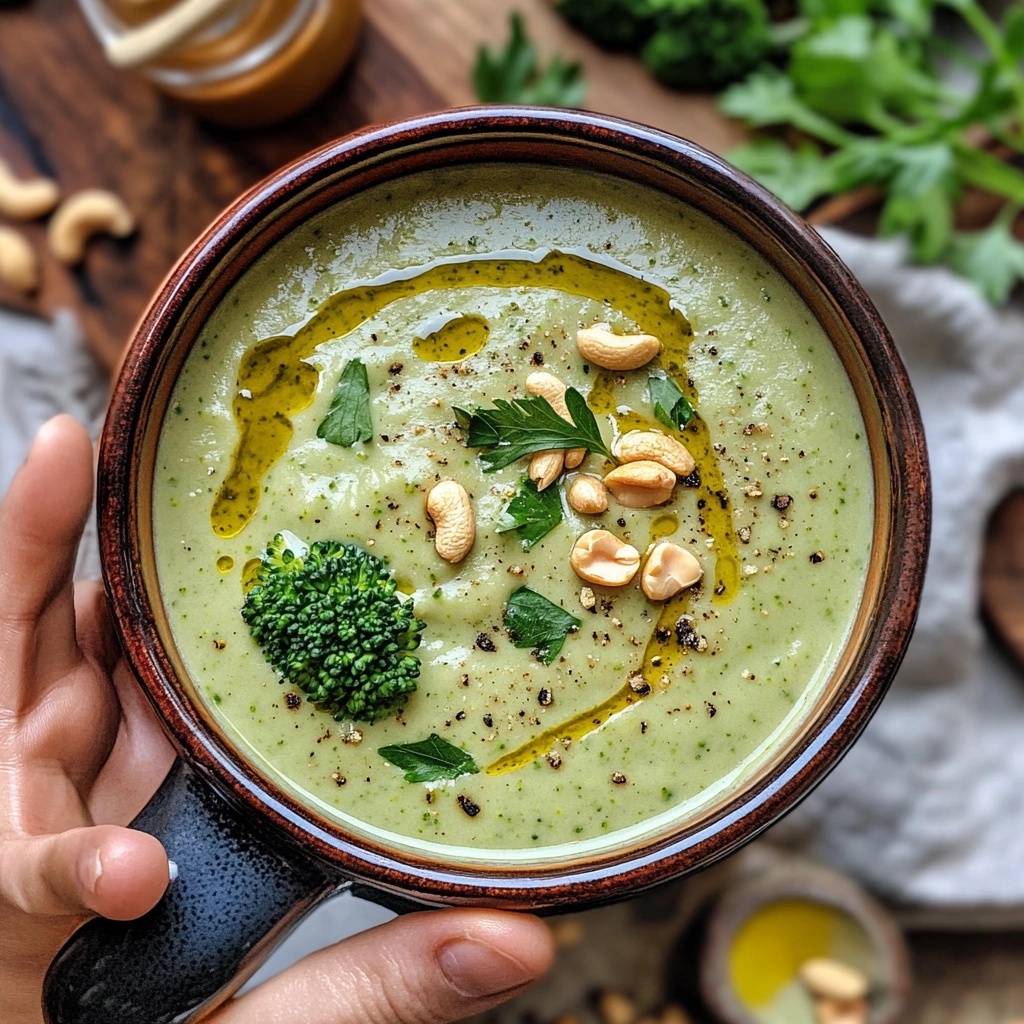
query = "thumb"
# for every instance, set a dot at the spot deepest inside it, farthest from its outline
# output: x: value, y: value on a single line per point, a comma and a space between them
x: 107, y: 870
x: 428, y: 968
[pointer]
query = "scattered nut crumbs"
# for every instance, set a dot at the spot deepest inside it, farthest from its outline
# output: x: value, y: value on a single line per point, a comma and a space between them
x: 553, y: 759
x: 638, y: 684
x: 781, y: 502
x: 587, y: 598
x: 545, y: 698
x: 618, y: 778
x: 485, y: 643
x: 292, y: 701
x: 817, y: 556
x: 339, y: 780
x: 744, y: 534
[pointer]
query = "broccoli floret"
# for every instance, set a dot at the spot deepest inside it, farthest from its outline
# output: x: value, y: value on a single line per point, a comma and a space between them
x: 330, y: 621
x: 616, y: 24
x: 707, y: 44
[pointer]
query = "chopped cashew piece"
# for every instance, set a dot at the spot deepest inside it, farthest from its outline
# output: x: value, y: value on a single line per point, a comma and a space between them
x: 449, y: 506
x: 841, y: 1011
x: 598, y: 345
x: 649, y: 445
x: 601, y: 557
x: 669, y: 570
x: 26, y: 198
x: 19, y: 266
x: 83, y: 215
x: 615, y: 1008
x: 588, y: 495
x: 832, y: 979
x: 546, y: 467
x: 548, y: 386
x: 641, y: 484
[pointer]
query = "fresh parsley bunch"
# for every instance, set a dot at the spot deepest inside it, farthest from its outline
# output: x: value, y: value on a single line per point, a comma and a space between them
x: 865, y: 86
x: 513, y: 75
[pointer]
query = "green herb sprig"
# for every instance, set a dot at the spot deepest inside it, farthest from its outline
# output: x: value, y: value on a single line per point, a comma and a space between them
x: 863, y: 85
x: 513, y: 75
x: 671, y: 406
x: 534, y: 514
x: 534, y: 621
x: 431, y: 760
x: 523, y: 426
x: 348, y: 420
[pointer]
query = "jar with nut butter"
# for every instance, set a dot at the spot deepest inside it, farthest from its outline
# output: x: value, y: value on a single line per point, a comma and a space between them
x: 242, y: 63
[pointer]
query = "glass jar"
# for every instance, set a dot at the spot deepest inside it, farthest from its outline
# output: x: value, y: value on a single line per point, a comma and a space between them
x: 248, y: 63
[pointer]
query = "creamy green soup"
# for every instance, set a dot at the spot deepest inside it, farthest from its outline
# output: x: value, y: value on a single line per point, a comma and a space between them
x: 451, y: 288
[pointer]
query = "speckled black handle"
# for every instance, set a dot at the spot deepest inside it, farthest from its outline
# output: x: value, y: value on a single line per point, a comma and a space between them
x: 235, y: 896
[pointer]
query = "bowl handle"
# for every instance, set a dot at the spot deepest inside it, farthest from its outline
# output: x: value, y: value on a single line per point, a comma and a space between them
x: 234, y: 898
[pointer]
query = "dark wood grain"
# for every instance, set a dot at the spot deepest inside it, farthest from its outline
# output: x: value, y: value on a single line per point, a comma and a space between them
x: 64, y: 112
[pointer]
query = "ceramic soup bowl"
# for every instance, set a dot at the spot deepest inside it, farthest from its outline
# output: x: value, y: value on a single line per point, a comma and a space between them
x: 618, y: 739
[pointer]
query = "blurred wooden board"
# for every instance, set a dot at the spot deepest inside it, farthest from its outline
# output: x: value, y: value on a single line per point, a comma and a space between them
x: 64, y: 112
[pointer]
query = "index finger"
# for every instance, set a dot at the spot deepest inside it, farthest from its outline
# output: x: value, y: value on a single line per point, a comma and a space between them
x: 41, y: 521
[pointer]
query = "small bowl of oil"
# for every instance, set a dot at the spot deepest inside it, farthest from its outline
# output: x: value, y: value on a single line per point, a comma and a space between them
x: 775, y: 945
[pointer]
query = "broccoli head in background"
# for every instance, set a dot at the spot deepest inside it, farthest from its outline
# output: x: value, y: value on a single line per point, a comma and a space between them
x: 616, y: 24
x: 330, y: 621
x: 707, y: 44
x: 688, y: 44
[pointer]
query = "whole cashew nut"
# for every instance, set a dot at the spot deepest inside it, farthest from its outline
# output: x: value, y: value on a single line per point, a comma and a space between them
x: 87, y: 213
x: 26, y: 198
x: 448, y: 505
x: 598, y: 345
x: 548, y: 386
x: 19, y: 266
x: 601, y: 557
x: 546, y: 467
x: 641, y: 484
x: 669, y: 569
x: 588, y: 495
x: 649, y: 445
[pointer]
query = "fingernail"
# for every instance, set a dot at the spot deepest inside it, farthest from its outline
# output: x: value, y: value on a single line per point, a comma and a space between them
x: 477, y: 969
x: 90, y: 870
x: 172, y: 871
x: 49, y: 428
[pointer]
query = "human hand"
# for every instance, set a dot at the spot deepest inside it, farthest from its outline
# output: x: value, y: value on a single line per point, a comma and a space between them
x: 81, y: 753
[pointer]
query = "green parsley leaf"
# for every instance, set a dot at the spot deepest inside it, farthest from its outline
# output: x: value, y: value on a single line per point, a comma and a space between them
x: 512, y: 430
x: 533, y: 621
x: 796, y: 176
x: 926, y: 220
x: 512, y: 75
x: 767, y: 97
x: 533, y: 513
x: 429, y: 760
x: 348, y: 419
x: 671, y: 406
x: 992, y: 260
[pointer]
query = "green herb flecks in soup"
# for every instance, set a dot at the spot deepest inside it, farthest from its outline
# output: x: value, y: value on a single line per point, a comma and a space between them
x: 548, y: 709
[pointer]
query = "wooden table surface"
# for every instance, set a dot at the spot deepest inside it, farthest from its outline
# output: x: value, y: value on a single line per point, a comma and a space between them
x: 65, y: 113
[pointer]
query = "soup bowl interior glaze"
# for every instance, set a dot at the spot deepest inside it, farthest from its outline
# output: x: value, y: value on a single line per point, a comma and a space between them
x: 317, y: 853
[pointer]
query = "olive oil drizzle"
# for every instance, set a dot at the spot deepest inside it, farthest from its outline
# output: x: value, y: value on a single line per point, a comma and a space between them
x: 457, y: 338
x: 275, y: 382
x: 560, y: 737
x: 661, y: 656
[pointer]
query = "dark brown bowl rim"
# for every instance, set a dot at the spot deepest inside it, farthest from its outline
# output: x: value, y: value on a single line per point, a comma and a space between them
x: 600, y: 880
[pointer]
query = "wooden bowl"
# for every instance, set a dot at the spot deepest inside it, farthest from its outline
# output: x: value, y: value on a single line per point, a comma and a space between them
x: 320, y: 850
